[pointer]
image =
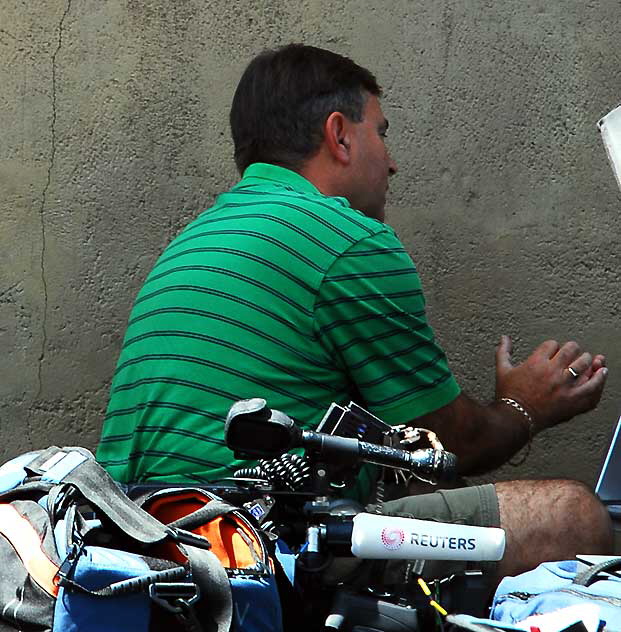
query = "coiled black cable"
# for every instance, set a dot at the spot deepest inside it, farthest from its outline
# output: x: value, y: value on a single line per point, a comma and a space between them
x: 289, y: 471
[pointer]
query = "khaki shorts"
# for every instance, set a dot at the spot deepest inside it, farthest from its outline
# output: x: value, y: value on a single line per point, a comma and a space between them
x: 477, y: 505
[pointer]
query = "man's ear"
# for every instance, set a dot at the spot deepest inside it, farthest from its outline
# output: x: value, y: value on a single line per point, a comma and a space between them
x: 337, y: 137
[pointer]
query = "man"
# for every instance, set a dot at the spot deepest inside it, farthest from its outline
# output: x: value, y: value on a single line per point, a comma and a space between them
x: 292, y: 288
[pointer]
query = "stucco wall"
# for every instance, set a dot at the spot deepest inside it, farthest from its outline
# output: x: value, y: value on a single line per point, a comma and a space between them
x: 113, y: 121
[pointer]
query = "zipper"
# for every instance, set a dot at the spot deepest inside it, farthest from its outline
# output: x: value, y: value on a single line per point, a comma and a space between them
x: 524, y: 596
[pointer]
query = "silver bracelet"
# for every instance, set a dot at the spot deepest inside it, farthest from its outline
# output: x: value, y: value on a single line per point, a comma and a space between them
x: 529, y: 422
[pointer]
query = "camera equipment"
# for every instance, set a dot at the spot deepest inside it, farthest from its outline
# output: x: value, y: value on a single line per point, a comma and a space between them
x: 255, y: 431
x: 295, y: 498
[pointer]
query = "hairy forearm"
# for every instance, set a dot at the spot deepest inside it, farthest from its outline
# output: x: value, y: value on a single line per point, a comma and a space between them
x: 482, y: 436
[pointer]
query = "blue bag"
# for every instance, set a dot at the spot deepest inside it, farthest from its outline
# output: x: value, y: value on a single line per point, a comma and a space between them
x: 77, y: 555
x: 555, y: 585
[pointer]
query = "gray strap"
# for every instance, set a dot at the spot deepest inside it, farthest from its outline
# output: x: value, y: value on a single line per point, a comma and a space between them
x: 99, y: 489
x: 96, y: 485
x: 215, y: 607
x: 206, y: 513
x: 139, y: 584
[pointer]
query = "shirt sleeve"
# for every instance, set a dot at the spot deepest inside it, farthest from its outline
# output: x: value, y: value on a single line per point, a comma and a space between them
x: 370, y: 318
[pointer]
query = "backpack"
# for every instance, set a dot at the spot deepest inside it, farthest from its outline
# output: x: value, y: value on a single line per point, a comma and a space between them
x: 238, y: 544
x: 555, y: 585
x: 77, y: 555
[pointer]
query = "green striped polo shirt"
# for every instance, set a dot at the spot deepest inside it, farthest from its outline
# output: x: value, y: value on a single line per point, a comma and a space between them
x: 279, y: 292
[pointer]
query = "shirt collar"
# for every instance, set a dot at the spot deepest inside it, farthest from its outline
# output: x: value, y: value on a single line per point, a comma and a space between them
x: 263, y: 173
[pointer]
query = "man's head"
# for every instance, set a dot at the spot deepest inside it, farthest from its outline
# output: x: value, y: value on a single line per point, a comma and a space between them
x: 317, y: 113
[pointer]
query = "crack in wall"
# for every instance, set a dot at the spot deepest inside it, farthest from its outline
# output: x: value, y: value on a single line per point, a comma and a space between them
x: 48, y: 183
x: 4, y: 32
x: 447, y: 25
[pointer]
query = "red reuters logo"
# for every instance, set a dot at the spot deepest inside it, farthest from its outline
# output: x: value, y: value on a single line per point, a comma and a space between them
x: 392, y: 538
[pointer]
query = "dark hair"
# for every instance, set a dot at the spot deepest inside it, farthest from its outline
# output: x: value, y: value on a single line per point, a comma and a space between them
x: 285, y: 96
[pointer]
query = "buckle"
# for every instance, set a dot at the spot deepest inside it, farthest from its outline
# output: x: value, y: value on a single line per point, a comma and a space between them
x: 176, y: 597
x: 67, y: 566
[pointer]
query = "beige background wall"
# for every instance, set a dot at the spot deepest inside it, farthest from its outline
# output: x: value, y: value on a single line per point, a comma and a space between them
x: 113, y: 133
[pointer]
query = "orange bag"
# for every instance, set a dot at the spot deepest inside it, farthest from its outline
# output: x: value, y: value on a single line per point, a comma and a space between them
x: 233, y: 538
x: 235, y: 541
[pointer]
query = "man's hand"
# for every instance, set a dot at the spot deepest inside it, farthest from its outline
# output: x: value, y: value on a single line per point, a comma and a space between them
x: 554, y: 383
x: 486, y: 436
